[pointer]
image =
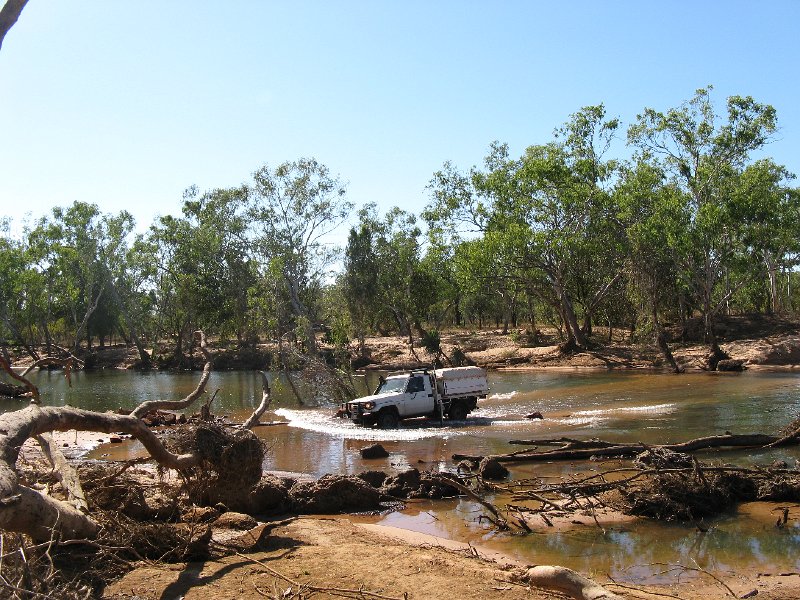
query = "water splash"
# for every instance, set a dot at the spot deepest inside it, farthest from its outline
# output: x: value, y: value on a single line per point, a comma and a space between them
x: 323, y: 421
x: 655, y: 409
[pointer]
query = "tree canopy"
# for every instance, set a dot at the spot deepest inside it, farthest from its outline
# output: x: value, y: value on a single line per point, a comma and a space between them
x: 694, y: 222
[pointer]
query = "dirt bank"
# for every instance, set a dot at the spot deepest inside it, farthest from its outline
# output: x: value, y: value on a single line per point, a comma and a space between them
x: 758, y: 341
x: 308, y: 557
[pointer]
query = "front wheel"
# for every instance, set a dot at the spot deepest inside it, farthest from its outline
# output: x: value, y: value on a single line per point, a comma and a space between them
x: 458, y: 412
x: 388, y: 420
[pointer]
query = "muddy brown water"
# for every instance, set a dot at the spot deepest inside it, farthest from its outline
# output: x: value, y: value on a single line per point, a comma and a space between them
x: 625, y: 406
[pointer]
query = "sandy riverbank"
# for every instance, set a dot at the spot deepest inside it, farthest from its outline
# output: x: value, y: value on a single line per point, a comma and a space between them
x: 759, y: 342
x: 327, y: 554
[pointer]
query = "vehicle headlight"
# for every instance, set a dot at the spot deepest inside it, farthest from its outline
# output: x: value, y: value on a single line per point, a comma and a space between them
x: 369, y: 405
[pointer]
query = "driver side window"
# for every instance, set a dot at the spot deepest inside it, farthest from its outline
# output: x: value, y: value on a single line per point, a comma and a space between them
x: 415, y: 384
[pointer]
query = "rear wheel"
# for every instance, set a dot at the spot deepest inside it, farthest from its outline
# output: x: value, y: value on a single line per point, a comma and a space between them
x: 458, y: 412
x: 388, y: 420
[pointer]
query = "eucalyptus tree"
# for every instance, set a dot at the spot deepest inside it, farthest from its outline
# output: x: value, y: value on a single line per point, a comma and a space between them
x: 487, y: 273
x: 397, y: 245
x: 72, y: 248
x: 221, y: 214
x: 575, y: 239
x: 133, y: 271
x: 204, y: 271
x: 293, y: 207
x: 360, y: 277
x: 555, y: 202
x: 769, y: 210
x: 655, y: 219
x: 20, y: 294
x: 704, y: 154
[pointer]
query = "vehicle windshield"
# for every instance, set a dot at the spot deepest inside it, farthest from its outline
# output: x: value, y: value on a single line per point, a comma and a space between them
x: 394, y: 384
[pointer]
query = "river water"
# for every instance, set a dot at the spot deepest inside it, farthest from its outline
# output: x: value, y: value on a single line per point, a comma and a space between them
x: 616, y: 406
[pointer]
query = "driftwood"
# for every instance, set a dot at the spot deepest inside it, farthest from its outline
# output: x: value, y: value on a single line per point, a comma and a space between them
x: 153, y: 405
x: 29, y: 511
x: 252, y: 421
x: 584, y: 450
x: 64, y: 472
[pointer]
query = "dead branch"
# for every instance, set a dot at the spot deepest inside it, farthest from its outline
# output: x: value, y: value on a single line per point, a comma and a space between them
x: 498, y: 520
x: 698, y: 569
x: 785, y: 440
x: 27, y: 387
x: 610, y: 450
x: 152, y: 405
x: 11, y: 390
x: 25, y: 383
x: 205, y: 410
x: 9, y: 15
x: 641, y: 591
x: 64, y: 471
x: 47, y: 361
x: 26, y: 510
x: 252, y: 421
x: 565, y: 443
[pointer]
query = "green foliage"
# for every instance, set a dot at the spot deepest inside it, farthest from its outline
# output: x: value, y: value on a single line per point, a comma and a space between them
x: 432, y: 342
x: 291, y: 209
x: 561, y: 233
x: 707, y: 161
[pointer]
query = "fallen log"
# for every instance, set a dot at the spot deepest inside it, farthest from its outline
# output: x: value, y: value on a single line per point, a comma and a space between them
x: 607, y: 450
x: 565, y: 443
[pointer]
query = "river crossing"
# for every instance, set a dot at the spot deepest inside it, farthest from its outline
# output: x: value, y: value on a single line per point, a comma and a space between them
x: 616, y: 406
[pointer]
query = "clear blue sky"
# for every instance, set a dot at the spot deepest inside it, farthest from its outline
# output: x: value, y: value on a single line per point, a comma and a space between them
x: 125, y: 104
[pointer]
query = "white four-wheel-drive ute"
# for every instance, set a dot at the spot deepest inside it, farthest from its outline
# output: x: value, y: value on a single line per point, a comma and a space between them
x: 451, y: 393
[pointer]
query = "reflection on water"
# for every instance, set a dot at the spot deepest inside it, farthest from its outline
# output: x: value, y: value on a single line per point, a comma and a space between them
x: 644, y: 407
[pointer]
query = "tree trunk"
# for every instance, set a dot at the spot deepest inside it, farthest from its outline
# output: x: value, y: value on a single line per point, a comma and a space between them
x: 178, y: 354
x: 299, y: 310
x: 772, y: 275
x: 661, y: 339
x: 85, y: 322
x: 570, y: 319
x: 144, y: 356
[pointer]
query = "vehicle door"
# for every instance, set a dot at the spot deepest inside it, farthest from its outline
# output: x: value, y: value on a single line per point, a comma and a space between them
x: 418, y: 400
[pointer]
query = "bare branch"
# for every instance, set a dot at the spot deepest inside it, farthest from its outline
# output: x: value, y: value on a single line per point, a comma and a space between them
x: 9, y: 15
x: 252, y: 421
x: 152, y: 405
